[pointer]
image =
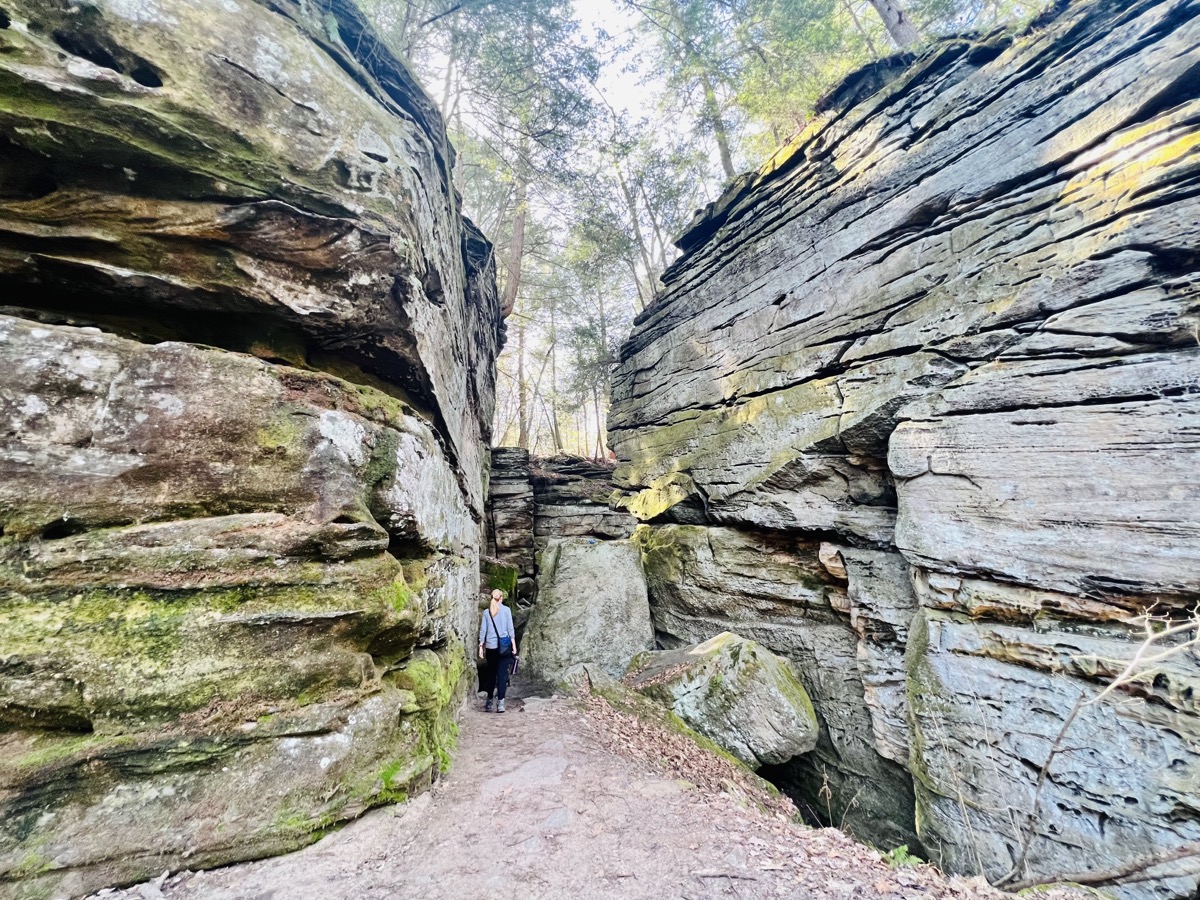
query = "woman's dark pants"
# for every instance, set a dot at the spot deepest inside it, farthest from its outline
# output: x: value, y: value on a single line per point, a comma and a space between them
x: 496, y: 672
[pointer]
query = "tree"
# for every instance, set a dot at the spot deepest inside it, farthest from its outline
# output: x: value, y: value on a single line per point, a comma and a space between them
x: 897, y: 23
x: 581, y: 199
x: 695, y: 59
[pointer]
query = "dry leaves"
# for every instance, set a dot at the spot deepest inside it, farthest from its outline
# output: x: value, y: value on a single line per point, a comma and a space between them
x: 640, y: 738
x: 787, y: 858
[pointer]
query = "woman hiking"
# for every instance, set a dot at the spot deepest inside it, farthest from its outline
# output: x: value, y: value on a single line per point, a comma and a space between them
x: 497, y: 648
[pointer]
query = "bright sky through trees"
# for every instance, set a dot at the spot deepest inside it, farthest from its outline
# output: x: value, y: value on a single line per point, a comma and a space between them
x: 588, y: 132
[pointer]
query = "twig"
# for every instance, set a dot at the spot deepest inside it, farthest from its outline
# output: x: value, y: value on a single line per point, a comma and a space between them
x: 1141, y: 665
x: 725, y: 875
x: 1031, y: 819
x: 455, y: 8
x: 1121, y: 873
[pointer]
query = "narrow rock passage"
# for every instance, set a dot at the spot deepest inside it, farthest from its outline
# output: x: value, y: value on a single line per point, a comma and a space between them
x: 536, y: 807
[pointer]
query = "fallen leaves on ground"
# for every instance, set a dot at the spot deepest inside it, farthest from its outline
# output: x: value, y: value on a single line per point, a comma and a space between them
x: 784, y: 857
x: 639, y: 737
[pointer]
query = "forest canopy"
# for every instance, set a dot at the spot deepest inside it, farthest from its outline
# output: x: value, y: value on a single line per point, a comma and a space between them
x: 588, y: 133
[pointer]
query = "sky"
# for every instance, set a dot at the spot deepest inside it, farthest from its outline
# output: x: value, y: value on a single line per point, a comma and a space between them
x: 622, y: 87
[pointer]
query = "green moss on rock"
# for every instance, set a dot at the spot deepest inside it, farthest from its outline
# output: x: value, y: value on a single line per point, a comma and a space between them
x: 735, y: 692
x: 431, y: 677
x: 499, y: 576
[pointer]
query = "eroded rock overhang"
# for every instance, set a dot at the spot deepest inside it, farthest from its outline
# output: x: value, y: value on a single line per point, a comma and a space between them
x: 247, y: 350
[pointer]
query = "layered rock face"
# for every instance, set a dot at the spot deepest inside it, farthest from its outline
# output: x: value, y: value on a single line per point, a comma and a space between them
x: 510, y: 516
x: 534, y: 500
x: 918, y: 409
x: 247, y: 350
x: 581, y: 588
x: 571, y: 499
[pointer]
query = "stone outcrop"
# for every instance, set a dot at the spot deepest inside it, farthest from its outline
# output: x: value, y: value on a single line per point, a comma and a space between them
x: 571, y: 499
x: 534, y: 500
x: 773, y: 589
x: 510, y: 515
x: 736, y: 693
x: 917, y: 409
x: 247, y: 346
x: 592, y: 610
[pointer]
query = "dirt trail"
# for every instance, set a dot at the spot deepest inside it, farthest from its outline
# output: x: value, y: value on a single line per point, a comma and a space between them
x: 536, y: 807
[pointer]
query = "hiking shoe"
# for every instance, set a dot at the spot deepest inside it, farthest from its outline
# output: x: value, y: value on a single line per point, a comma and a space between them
x: 500, y: 707
x: 487, y: 707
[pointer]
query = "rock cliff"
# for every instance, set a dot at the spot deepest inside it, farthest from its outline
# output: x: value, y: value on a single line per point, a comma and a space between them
x: 534, y: 500
x: 919, y: 408
x: 571, y: 499
x: 247, y: 350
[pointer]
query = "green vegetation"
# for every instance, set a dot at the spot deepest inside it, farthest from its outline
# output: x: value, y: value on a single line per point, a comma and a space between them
x: 302, y: 822
x: 899, y: 858
x: 147, y: 656
x: 392, y: 791
x: 499, y: 575
x: 50, y: 748
x: 664, y: 550
x: 283, y: 433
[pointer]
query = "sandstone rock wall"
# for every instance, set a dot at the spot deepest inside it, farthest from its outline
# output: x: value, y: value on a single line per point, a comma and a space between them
x: 247, y: 350
x: 918, y: 408
x: 534, y: 500
x: 510, y: 521
x: 571, y: 499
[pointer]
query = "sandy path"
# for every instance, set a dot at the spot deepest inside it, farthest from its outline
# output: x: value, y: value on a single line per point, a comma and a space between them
x: 535, y: 807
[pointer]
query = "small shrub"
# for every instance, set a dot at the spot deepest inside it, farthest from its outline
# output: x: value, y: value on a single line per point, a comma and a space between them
x: 900, y: 858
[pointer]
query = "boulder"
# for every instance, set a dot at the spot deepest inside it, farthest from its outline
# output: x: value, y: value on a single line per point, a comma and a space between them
x: 774, y: 590
x: 736, y: 693
x: 592, y: 609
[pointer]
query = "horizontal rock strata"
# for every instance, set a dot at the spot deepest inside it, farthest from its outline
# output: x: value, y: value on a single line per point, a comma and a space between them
x: 534, y: 500
x: 571, y: 499
x: 246, y: 363
x: 772, y: 589
x: 510, y: 505
x: 948, y: 339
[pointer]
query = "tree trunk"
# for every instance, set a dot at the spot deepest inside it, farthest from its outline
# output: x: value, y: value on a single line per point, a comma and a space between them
x: 599, y: 424
x: 858, y: 26
x: 641, y: 302
x: 446, y: 90
x: 552, y: 394
x: 897, y: 23
x: 712, y: 111
x: 522, y: 392
x: 659, y: 240
x: 634, y: 220
x: 517, y: 251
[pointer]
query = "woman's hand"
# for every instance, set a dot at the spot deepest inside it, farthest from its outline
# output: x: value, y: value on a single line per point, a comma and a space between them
x: 481, y: 654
